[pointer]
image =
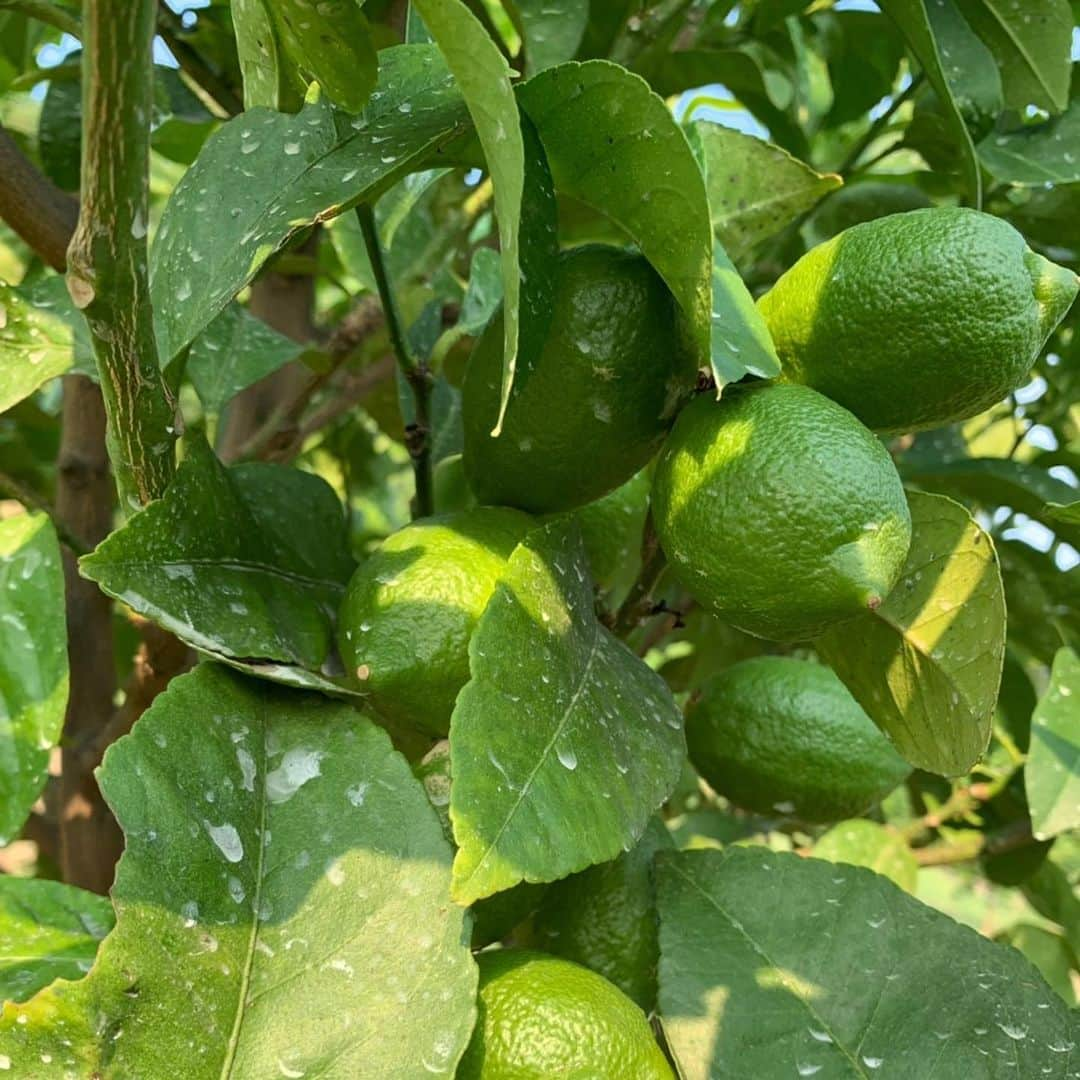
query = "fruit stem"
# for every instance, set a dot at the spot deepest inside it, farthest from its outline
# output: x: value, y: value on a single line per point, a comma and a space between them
x: 417, y: 373
x: 639, y: 603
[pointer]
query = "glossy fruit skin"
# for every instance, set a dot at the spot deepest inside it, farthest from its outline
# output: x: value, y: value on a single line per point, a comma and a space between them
x: 542, y: 1017
x: 410, y: 609
x: 605, y: 918
x: 780, y: 735
x: 779, y: 511
x: 917, y: 320
x: 615, y: 367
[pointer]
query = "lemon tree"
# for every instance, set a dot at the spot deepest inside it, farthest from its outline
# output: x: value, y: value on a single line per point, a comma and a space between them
x: 539, y: 538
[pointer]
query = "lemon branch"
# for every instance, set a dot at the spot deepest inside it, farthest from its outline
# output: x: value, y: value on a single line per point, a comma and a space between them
x: 107, y: 259
x: 417, y: 373
x: 639, y: 604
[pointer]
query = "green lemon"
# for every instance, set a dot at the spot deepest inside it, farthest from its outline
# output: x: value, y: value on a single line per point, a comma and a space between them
x: 779, y: 735
x: 542, y: 1017
x: 917, y: 320
x: 605, y: 918
x: 595, y: 406
x: 410, y: 609
x: 779, y: 511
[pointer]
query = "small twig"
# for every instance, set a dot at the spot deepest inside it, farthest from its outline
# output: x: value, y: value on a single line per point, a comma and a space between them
x: 1012, y: 837
x: 963, y: 801
x: 417, y: 375
x: 638, y: 604
x: 32, y: 501
x: 205, y: 78
x: 878, y: 126
x: 45, y: 12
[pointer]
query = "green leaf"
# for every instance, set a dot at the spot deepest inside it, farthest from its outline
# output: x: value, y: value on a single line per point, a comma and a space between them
x: 233, y: 352
x: 269, y: 76
x: 1066, y: 513
x: 552, y: 30
x: 866, y: 843
x: 774, y: 966
x: 755, y: 189
x: 33, y: 663
x: 1052, y: 772
x: 282, y: 904
x: 614, y: 145
x: 483, y: 75
x: 864, y: 57
x: 47, y: 931
x: 926, y: 664
x: 35, y: 346
x: 563, y: 743
x: 913, y: 21
x: 1036, y: 155
x: 1032, y: 45
x: 247, y: 563
x: 740, y: 341
x: 331, y: 41
x: 273, y: 175
x: 1049, y: 952
x: 60, y: 133
x: 995, y: 482
x: 968, y: 66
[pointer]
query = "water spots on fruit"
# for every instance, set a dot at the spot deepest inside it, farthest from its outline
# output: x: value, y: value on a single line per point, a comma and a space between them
x: 357, y: 793
x: 335, y: 873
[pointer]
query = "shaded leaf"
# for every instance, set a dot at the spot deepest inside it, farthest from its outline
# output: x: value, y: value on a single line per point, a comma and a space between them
x: 755, y: 189
x: 241, y: 957
x: 273, y: 175
x: 774, y: 966
x: 563, y: 743
x: 331, y: 41
x: 269, y: 75
x: 926, y: 664
x: 1066, y: 513
x: 614, y: 145
x: 233, y: 352
x: 247, y: 563
x: 913, y: 21
x: 1040, y: 154
x: 60, y: 133
x: 552, y: 30
x: 1031, y: 44
x: 33, y: 663
x: 47, y: 931
x: 483, y: 75
x: 35, y: 346
x: 994, y: 482
x: 1047, y: 951
x: 866, y: 843
x: 1052, y: 772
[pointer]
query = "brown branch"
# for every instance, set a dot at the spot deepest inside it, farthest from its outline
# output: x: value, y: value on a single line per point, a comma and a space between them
x: 42, y: 214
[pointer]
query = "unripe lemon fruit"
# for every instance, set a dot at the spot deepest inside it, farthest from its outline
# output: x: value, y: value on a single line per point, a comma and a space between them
x: 917, y: 320
x: 410, y: 609
x: 779, y: 735
x: 594, y: 408
x: 779, y: 511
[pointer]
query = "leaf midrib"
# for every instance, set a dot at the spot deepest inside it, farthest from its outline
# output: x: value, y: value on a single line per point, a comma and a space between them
x: 1021, y: 49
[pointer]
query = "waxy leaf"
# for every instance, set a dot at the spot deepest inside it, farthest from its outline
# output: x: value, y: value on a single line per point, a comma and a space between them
x: 1037, y: 155
x: 33, y: 663
x: 270, y: 78
x: 563, y: 743
x: 911, y: 16
x: 247, y: 563
x: 483, y: 76
x: 36, y: 345
x: 265, y: 176
x: 773, y: 966
x: 48, y: 931
x: 755, y: 189
x: 331, y: 42
x: 926, y: 664
x: 233, y: 352
x: 1031, y: 44
x: 741, y: 343
x: 614, y: 145
x: 282, y: 905
x: 1052, y: 772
